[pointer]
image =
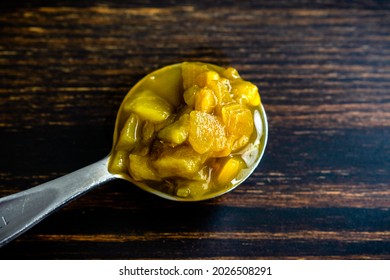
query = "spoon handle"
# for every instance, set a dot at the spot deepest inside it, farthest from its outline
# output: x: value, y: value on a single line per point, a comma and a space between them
x: 21, y: 211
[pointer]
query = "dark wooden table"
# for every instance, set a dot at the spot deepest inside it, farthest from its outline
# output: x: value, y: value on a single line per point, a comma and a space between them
x: 322, y: 190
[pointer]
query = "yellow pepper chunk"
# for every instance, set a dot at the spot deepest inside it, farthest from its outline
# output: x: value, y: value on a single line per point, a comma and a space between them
x: 129, y: 134
x: 140, y: 168
x: 205, y: 100
x: 148, y: 131
x: 228, y: 170
x: 240, y: 143
x: 195, y: 189
x: 119, y: 162
x: 231, y: 73
x: 166, y: 84
x: 206, y: 78
x: 206, y: 133
x: 149, y: 106
x: 246, y: 93
x: 177, y: 132
x: 190, y: 70
x: 181, y: 161
x: 238, y: 119
x: 189, y: 95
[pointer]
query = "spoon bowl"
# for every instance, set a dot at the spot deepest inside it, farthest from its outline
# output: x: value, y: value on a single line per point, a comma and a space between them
x: 173, y: 93
x: 21, y: 211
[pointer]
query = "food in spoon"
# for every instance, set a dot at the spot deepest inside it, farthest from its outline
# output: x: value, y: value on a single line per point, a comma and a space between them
x: 188, y: 130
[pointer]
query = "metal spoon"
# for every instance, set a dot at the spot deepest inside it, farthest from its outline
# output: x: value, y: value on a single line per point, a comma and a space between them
x: 21, y: 211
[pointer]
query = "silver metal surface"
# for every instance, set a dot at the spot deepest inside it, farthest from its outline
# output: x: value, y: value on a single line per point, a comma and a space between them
x: 21, y: 211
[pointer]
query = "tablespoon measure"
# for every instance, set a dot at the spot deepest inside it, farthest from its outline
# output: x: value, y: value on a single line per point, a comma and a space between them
x: 21, y: 211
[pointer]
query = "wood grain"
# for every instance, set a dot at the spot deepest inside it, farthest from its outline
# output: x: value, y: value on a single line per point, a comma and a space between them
x: 323, y: 70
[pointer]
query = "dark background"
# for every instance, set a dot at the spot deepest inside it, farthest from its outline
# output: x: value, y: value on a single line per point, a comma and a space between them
x: 323, y: 70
